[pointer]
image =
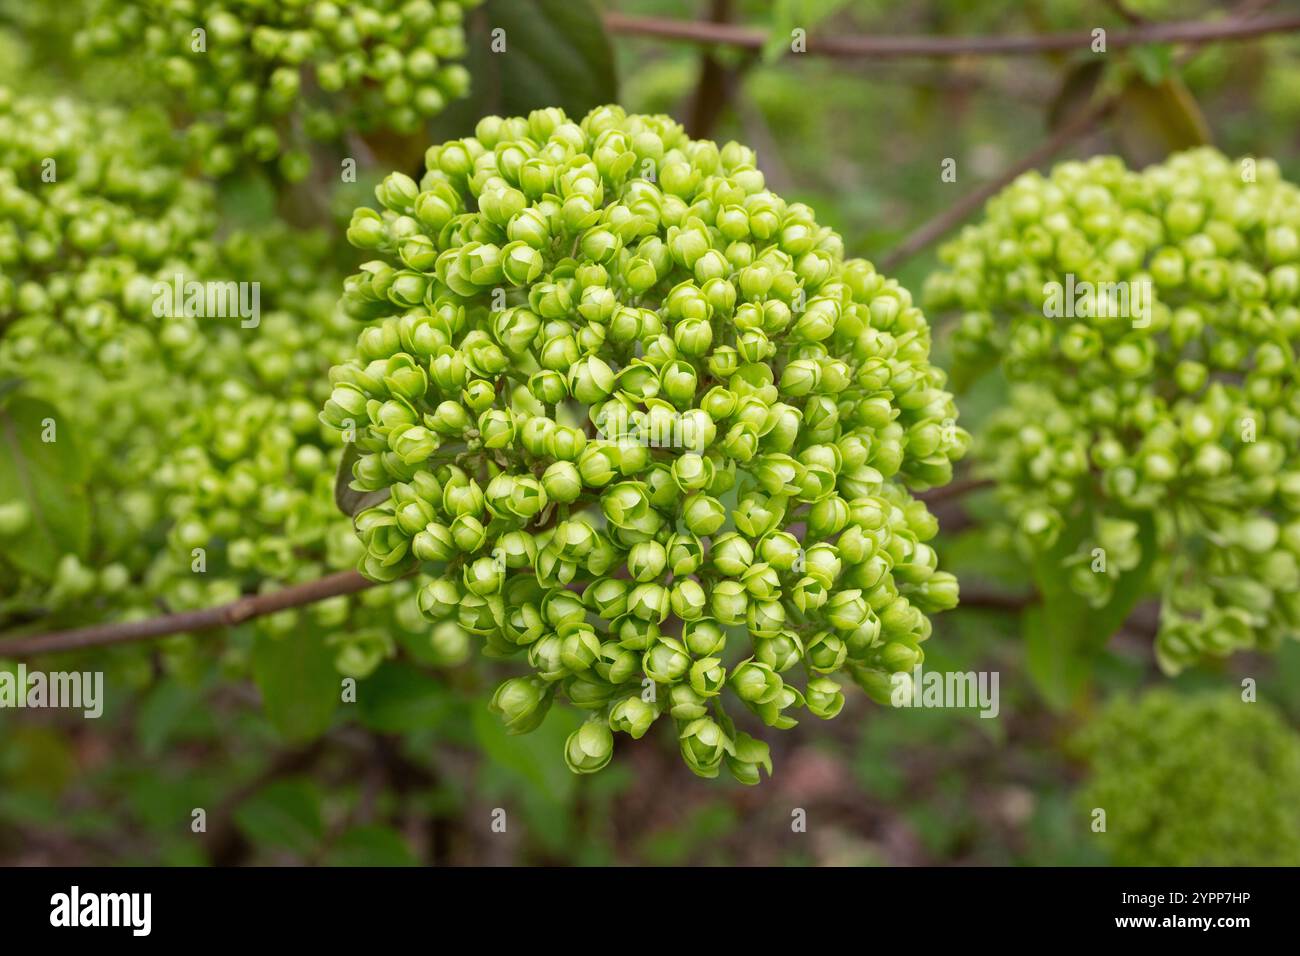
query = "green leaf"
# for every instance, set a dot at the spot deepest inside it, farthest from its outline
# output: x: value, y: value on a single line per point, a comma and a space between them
x: 248, y: 199
x: 787, y: 15
x: 530, y: 769
x: 350, y: 501
x: 398, y: 698
x: 370, y: 846
x: 1155, y: 61
x: 299, y: 685
x: 1075, y: 93
x: 284, y: 815
x: 1155, y: 119
x: 535, y: 761
x: 556, y: 54
x: 49, y: 478
x: 1064, y: 634
x: 170, y: 712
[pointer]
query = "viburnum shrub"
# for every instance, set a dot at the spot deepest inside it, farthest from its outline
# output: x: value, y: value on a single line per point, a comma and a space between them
x: 644, y: 425
x: 263, y: 77
x: 1147, y: 324
x: 1199, y: 780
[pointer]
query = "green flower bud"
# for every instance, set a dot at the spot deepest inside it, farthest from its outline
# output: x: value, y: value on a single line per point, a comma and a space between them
x: 589, y: 748
x: 521, y: 703
x: 704, y: 745
x: 666, y: 661
x: 632, y: 716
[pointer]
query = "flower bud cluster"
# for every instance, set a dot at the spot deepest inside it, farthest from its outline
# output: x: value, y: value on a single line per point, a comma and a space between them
x: 93, y: 210
x: 1179, y: 408
x: 198, y: 430
x: 1159, y: 765
x: 247, y: 477
x: 647, y: 428
x: 261, y: 77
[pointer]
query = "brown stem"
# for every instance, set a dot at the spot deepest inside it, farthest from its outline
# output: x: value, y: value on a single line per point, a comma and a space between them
x: 223, y: 615
x: 884, y: 47
x: 974, y: 596
x: 1080, y: 126
x: 713, y: 88
x: 953, y: 216
x: 955, y: 489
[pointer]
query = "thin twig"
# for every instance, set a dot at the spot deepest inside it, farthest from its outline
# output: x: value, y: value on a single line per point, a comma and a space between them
x: 955, y: 489
x: 223, y: 615
x: 885, y: 47
x: 1080, y: 126
x: 974, y: 596
x: 955, y: 214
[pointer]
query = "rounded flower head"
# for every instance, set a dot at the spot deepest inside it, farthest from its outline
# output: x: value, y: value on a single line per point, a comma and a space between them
x: 1142, y: 320
x: 720, y: 420
x: 332, y: 67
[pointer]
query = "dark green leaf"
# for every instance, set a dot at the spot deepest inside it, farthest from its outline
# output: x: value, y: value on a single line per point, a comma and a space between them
x: 787, y: 15
x: 8, y: 386
x: 557, y: 54
x: 1154, y: 61
x: 285, y: 815
x: 399, y: 697
x: 1076, y: 92
x: 300, y: 687
x: 370, y: 846
x: 1064, y: 634
x: 248, y: 199
x: 1155, y: 119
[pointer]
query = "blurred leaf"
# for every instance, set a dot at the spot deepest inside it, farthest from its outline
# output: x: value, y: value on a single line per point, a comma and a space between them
x: 530, y: 769
x: 8, y: 385
x: 370, y: 846
x: 704, y: 826
x: 299, y: 685
x: 46, y: 476
x: 1064, y: 634
x: 787, y: 15
x: 537, y: 758
x: 168, y: 712
x: 248, y: 199
x: 164, y: 798
x: 1075, y: 93
x: 557, y: 54
x: 1155, y: 61
x: 36, y: 759
x: 285, y: 814
x: 1155, y: 119
x: 398, y: 698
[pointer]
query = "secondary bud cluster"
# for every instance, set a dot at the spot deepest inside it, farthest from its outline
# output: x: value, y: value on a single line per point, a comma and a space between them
x: 1183, y: 415
x: 198, y: 431
x: 648, y: 428
x: 258, y: 75
x: 93, y: 209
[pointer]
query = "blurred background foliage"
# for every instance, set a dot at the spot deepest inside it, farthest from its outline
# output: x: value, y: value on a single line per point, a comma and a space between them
x: 418, y: 772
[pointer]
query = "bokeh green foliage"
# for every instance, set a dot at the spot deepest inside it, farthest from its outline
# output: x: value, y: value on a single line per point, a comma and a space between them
x: 1204, y: 779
